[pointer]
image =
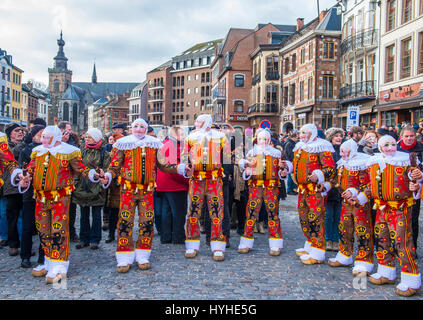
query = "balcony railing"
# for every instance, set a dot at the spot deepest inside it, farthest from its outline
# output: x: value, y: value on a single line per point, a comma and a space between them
x: 359, y: 89
x: 156, y: 123
x: 156, y: 111
x: 155, y: 99
x: 219, y: 94
x: 256, y: 79
x: 263, y: 108
x: 360, y: 40
x: 274, y: 75
x: 157, y: 85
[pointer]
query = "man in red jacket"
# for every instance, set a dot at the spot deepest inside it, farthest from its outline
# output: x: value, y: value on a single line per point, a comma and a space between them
x: 175, y: 191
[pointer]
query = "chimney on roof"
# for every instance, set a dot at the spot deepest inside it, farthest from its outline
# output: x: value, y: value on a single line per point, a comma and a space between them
x: 300, y: 23
x: 29, y: 84
x: 322, y: 15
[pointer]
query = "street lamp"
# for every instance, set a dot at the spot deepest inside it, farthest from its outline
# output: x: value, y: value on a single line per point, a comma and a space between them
x: 341, y: 7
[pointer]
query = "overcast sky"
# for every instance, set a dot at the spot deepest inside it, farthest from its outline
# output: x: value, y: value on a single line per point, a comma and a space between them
x: 128, y: 38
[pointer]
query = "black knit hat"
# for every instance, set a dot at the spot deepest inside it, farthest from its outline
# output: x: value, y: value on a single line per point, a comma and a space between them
x: 35, y: 129
x: 10, y: 127
x: 39, y: 121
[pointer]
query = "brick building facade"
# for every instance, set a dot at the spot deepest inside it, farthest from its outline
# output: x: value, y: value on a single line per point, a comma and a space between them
x: 310, y: 72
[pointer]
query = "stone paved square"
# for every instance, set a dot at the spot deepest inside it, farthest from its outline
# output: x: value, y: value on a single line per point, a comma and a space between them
x: 254, y: 276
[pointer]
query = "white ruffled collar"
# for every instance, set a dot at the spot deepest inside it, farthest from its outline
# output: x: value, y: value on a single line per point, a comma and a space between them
x: 267, y: 150
x: 400, y: 159
x: 201, y: 135
x: 62, y: 148
x: 358, y: 163
x: 316, y: 146
x: 131, y: 142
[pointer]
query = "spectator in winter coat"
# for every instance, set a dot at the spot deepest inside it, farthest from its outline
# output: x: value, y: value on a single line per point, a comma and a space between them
x: 15, y: 135
x: 334, y: 200
x: 28, y: 204
x: 88, y: 195
x: 174, y: 188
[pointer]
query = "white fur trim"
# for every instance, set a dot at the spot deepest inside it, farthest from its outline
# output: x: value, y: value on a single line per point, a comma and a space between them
x: 55, y: 267
x: 142, y: 256
x: 131, y: 142
x: 290, y: 166
x: 317, y: 146
x: 413, y: 281
x: 62, y: 148
x: 361, y: 266
x: 108, y: 174
x: 199, y: 136
x: 192, y: 244
x: 342, y: 259
x: 353, y: 191
x: 217, y: 245
x: 91, y: 174
x: 317, y: 254
x: 41, y: 266
x: 400, y: 159
x: 241, y: 164
x: 384, y: 271
x: 358, y: 163
x: 23, y: 191
x: 244, y: 176
x: 267, y: 150
x: 362, y: 199
x: 307, y: 247
x: 246, y: 243
x: 181, y: 169
x: 320, y: 176
x: 417, y: 195
x: 14, y: 175
x: 276, y: 244
x: 280, y: 176
x: 327, y: 186
x: 125, y: 258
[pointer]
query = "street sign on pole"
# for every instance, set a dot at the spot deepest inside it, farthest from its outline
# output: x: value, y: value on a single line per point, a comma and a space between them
x: 353, y: 114
x: 265, y: 124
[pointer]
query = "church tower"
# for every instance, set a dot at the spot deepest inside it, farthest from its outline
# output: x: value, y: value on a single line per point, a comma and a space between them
x: 94, y: 76
x: 60, y: 78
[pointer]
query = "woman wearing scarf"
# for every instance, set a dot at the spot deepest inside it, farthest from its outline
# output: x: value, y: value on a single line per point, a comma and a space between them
x: 52, y: 168
x: 353, y: 181
x: 91, y: 197
x: 409, y: 144
x: 314, y: 170
x: 263, y: 169
x: 394, y: 184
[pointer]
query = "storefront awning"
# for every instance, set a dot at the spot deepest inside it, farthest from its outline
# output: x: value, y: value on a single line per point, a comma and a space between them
x: 415, y: 103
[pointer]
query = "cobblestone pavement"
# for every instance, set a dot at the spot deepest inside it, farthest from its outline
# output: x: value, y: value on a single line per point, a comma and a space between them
x: 257, y: 275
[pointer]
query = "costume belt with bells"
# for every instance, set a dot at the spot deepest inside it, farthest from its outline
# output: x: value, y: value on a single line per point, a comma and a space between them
x: 200, y: 175
x: 309, y: 188
x: 263, y: 183
x: 54, y: 195
x: 131, y: 186
x: 401, y: 204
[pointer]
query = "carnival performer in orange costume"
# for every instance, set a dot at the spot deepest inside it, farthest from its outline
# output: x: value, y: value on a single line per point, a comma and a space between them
x: 394, y: 184
x: 205, y: 150
x: 51, y: 169
x: 263, y: 169
x: 134, y: 161
x: 353, y: 183
x: 314, y: 171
